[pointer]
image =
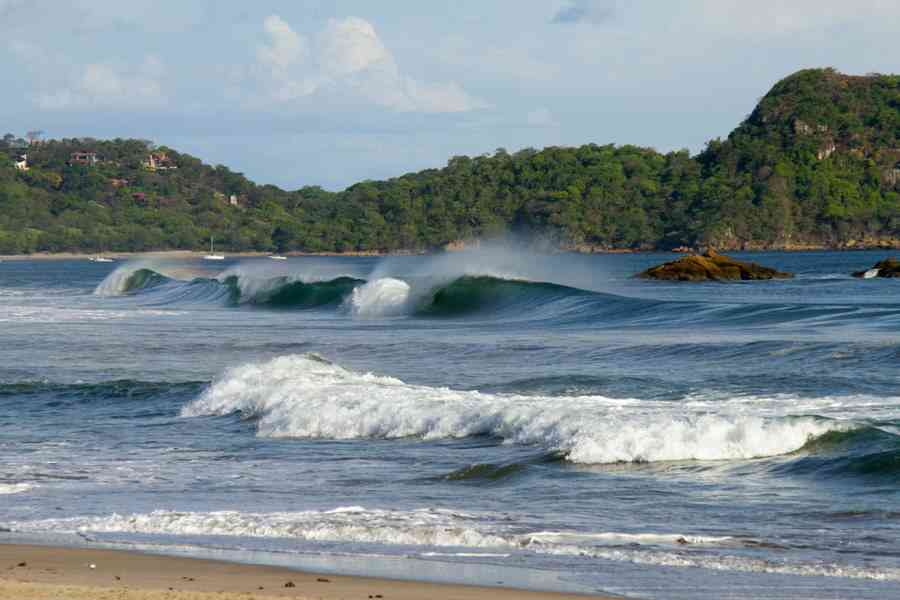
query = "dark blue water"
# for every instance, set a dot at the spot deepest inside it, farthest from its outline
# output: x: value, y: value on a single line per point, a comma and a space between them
x: 457, y: 416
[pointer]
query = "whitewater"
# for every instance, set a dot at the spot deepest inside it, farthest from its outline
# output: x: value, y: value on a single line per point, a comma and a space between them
x: 462, y: 415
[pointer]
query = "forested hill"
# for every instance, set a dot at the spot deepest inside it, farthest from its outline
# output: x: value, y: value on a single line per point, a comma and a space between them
x: 816, y: 164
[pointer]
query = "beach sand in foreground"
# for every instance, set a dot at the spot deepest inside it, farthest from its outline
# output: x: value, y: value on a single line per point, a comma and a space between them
x: 53, y: 573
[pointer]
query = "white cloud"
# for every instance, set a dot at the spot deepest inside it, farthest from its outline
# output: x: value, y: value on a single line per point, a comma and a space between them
x: 347, y: 60
x: 282, y: 61
x: 350, y: 45
x: 286, y: 48
x: 102, y: 85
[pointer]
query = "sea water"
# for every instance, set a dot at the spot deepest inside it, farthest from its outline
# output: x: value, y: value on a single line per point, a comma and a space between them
x: 481, y: 417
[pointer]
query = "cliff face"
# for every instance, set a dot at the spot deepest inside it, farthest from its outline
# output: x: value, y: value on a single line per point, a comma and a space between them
x: 818, y: 161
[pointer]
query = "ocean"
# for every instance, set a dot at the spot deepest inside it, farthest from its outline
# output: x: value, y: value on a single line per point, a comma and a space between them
x: 491, y: 416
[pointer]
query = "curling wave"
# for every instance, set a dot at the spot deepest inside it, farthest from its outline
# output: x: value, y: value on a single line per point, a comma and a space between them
x: 469, y: 294
x: 307, y: 396
x: 234, y: 287
x: 284, y: 292
x: 465, y: 295
x: 130, y: 279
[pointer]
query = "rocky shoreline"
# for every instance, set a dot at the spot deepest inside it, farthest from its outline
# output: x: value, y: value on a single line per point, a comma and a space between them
x: 711, y: 266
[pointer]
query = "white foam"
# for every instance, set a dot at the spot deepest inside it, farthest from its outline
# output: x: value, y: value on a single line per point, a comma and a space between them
x: 51, y: 314
x: 380, y: 298
x: 345, y: 524
x: 724, y: 562
x: 619, y: 539
x: 306, y: 396
x: 441, y: 528
x: 871, y: 273
x: 14, y: 488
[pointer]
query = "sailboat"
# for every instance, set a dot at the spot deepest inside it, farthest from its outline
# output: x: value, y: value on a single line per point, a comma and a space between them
x: 212, y: 254
x: 100, y: 258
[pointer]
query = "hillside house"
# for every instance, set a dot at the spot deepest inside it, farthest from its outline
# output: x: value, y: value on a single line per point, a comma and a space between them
x: 88, y: 159
x: 892, y: 176
x: 21, y: 162
x: 159, y: 161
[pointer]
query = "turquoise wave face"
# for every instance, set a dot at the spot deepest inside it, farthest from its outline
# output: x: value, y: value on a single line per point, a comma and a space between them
x: 282, y: 292
x: 473, y: 294
x: 144, y: 279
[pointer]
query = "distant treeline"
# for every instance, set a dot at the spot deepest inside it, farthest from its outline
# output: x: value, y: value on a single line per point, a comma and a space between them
x: 816, y: 164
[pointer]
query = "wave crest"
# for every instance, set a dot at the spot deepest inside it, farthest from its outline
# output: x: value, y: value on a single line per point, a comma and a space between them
x: 380, y: 298
x: 307, y: 396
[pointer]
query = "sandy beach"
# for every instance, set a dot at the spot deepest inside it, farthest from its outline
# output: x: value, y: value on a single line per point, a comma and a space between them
x: 54, y: 573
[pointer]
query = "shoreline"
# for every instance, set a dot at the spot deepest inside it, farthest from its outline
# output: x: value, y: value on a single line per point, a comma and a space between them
x: 36, y: 572
x: 191, y: 254
x: 173, y: 254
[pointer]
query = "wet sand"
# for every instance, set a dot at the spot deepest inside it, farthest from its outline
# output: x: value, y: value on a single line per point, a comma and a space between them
x: 53, y: 573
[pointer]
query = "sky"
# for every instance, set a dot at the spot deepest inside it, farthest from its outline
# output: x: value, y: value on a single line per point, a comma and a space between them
x: 316, y: 92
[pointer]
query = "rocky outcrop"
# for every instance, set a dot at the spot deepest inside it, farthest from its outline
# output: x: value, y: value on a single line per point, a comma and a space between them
x: 889, y: 267
x: 711, y: 266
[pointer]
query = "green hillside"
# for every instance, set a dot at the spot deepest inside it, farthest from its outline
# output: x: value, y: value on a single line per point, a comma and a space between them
x: 817, y: 164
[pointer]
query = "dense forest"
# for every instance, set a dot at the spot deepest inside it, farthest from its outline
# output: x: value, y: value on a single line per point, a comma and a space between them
x: 816, y: 164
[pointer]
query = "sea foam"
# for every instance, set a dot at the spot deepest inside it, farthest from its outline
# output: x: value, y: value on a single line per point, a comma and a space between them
x: 444, y: 528
x: 380, y: 298
x: 307, y: 396
x: 14, y: 488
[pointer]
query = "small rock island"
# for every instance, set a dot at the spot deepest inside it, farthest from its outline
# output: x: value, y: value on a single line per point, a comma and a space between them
x: 889, y: 267
x: 711, y: 266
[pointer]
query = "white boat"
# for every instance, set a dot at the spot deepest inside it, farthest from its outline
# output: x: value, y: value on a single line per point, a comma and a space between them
x: 102, y: 259
x: 278, y: 257
x: 212, y: 254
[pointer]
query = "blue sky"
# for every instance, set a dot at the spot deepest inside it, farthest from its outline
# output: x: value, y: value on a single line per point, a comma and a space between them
x: 328, y: 93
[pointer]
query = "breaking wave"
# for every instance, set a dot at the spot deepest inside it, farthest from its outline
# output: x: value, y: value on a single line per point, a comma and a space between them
x: 130, y: 279
x: 233, y: 287
x: 380, y: 297
x: 459, y: 295
x: 283, y: 292
x: 307, y: 396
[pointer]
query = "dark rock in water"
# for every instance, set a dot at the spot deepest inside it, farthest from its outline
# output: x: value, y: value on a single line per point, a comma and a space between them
x: 889, y: 267
x: 711, y: 266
